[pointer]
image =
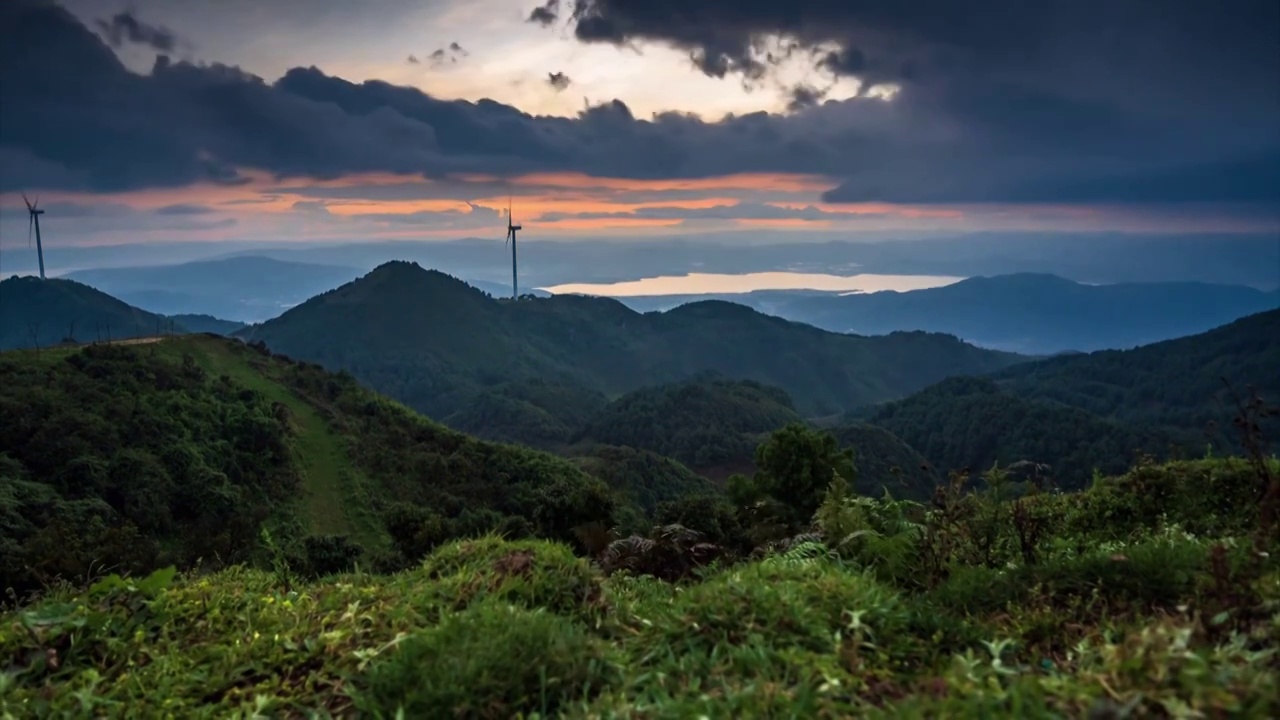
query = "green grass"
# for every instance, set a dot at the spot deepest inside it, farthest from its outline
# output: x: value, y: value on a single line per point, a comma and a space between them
x: 1137, y: 619
x: 332, y: 501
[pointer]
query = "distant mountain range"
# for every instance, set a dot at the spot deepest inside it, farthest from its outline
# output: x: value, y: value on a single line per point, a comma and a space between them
x: 1030, y: 313
x: 1027, y: 312
x: 247, y: 289
x: 587, y: 376
x: 434, y: 342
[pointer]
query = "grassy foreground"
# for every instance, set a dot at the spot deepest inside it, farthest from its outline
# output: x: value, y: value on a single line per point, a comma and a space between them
x: 1147, y: 595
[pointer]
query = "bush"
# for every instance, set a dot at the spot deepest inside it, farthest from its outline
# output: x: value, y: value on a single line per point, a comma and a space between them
x: 490, y: 661
x: 529, y: 573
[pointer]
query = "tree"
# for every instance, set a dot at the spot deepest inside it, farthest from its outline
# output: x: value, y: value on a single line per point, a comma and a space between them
x: 794, y: 468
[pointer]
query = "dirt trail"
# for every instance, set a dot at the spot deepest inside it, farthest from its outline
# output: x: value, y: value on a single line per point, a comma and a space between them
x: 133, y: 341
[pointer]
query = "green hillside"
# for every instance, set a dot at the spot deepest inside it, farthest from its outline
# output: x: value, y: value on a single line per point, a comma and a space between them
x: 41, y: 313
x: 1101, y: 410
x: 704, y: 422
x: 886, y: 462
x: 181, y: 451
x: 434, y: 342
x: 970, y: 423
x: 644, y: 477
x: 529, y: 411
x: 1176, y: 383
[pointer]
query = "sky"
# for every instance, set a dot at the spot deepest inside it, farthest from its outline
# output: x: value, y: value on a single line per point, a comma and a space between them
x: 327, y: 120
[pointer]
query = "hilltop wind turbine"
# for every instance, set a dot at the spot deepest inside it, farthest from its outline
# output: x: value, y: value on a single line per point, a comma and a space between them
x: 35, y: 213
x: 511, y: 238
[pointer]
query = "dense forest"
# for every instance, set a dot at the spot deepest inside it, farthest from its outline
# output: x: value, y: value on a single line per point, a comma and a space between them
x: 1191, y: 382
x: 1098, y: 411
x: 184, y: 451
x: 703, y: 422
x: 971, y: 423
x: 458, y: 342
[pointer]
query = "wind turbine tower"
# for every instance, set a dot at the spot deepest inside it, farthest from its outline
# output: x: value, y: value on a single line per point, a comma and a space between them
x: 511, y: 237
x: 35, y: 212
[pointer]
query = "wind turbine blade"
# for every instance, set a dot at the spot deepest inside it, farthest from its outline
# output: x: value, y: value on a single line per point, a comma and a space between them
x: 25, y: 200
x: 31, y: 222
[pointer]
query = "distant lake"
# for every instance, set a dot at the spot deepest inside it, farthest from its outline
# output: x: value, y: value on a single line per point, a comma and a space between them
x: 711, y: 283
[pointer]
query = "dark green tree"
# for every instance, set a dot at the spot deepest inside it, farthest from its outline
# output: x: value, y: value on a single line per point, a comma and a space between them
x: 794, y: 468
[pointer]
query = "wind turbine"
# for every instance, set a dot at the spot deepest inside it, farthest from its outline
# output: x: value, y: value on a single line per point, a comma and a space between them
x: 35, y: 214
x: 511, y: 238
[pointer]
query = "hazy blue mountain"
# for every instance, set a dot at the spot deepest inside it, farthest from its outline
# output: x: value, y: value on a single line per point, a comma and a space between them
x: 1026, y: 312
x: 207, y: 324
x: 246, y: 288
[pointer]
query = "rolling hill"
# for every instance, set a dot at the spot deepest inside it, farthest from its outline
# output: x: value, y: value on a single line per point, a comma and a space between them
x: 246, y: 288
x: 883, y: 461
x: 41, y: 313
x: 1031, y: 313
x: 1175, y: 383
x: 969, y: 423
x: 1099, y: 410
x: 529, y: 411
x: 433, y: 342
x: 704, y: 422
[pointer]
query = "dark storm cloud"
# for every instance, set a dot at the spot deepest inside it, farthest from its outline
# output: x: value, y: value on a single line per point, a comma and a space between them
x: 124, y: 27
x: 1126, y: 81
x: 545, y: 14
x: 447, y: 55
x: 805, y: 96
x: 1028, y: 127
x: 558, y: 80
x: 740, y: 211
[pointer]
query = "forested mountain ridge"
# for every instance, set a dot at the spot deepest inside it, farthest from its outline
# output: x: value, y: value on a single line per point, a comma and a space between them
x: 1177, y: 382
x: 970, y: 423
x: 433, y: 342
x: 1099, y: 410
x: 702, y: 422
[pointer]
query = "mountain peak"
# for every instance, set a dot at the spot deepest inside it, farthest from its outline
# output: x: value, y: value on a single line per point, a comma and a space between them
x: 1022, y: 279
x: 410, y: 276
